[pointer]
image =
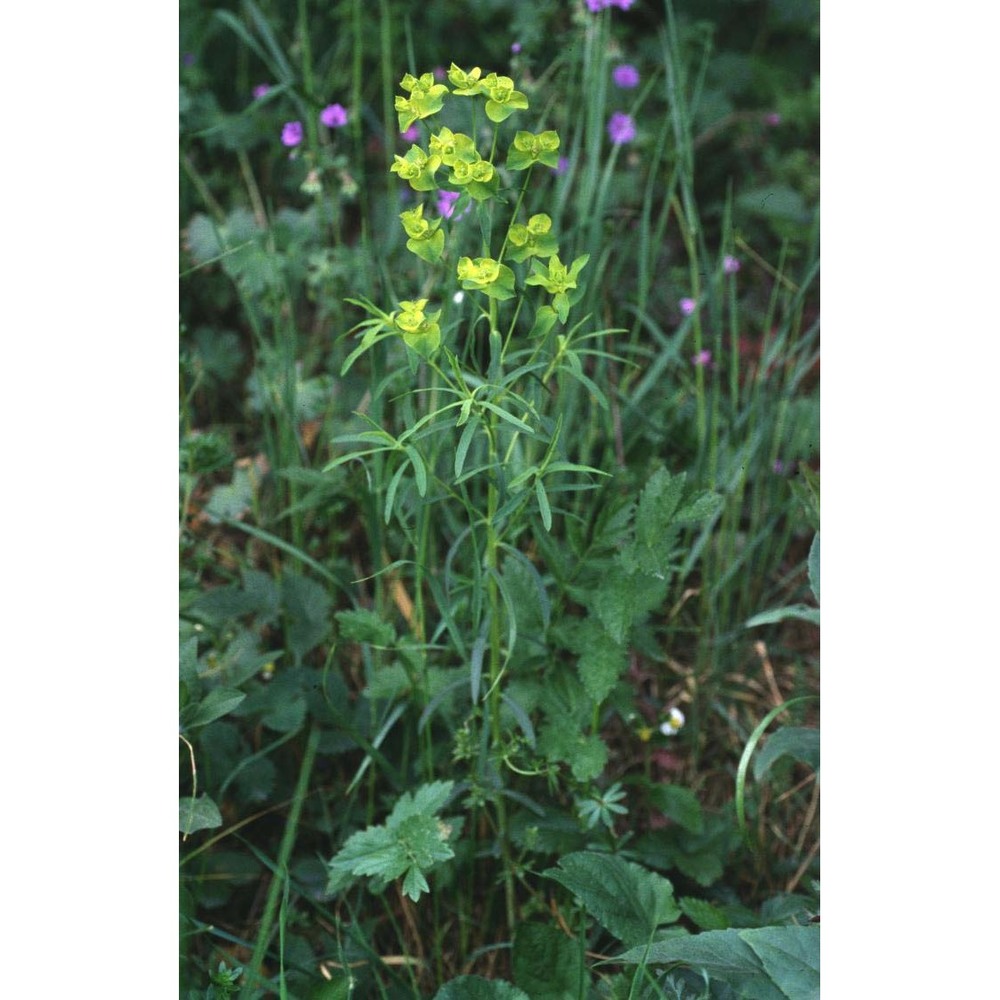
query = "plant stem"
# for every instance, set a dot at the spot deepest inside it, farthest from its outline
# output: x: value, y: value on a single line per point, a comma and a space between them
x: 284, y: 853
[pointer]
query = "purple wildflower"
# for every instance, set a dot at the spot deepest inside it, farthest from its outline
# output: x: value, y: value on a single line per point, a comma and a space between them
x: 621, y: 128
x: 261, y: 90
x: 333, y: 116
x: 625, y: 76
x: 772, y: 119
x: 291, y: 133
x: 562, y: 166
x: 779, y: 467
x: 596, y: 5
x: 411, y: 134
x: 439, y: 73
x: 620, y: 4
x: 687, y: 306
x: 189, y: 59
x: 446, y: 204
x: 730, y: 265
x: 702, y: 359
x: 515, y: 47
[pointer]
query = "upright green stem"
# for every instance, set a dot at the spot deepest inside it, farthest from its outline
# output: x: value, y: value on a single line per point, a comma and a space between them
x: 496, y: 639
x: 281, y: 873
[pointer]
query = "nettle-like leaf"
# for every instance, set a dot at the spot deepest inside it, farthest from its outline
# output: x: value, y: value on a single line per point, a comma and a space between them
x: 199, y: 814
x: 546, y: 963
x: 799, y: 742
x: 623, y: 897
x: 763, y: 962
x: 410, y: 844
x: 477, y: 988
x: 362, y: 625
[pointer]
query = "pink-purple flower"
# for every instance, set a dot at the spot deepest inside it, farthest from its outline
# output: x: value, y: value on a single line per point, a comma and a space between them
x: 687, y: 306
x: 333, y: 116
x: 730, y: 264
x: 291, y: 133
x: 597, y: 5
x: 562, y: 166
x: 702, y: 359
x: 621, y: 128
x: 446, y: 204
x: 260, y: 91
x: 412, y: 134
x: 515, y: 47
x: 625, y: 76
x: 772, y: 119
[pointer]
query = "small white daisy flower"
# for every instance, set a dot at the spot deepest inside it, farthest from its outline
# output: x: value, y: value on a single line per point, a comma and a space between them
x: 673, y: 723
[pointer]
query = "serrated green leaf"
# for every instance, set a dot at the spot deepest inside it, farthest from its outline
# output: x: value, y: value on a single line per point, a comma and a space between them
x: 679, y: 804
x: 625, y: 898
x: 801, y: 743
x: 306, y: 604
x: 362, y: 625
x: 477, y: 988
x: 426, y: 800
x: 601, y: 664
x: 546, y: 964
x: 199, y: 814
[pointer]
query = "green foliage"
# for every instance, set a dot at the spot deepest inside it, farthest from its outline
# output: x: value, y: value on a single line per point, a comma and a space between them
x: 624, y: 898
x: 448, y: 563
x: 411, y: 843
x: 769, y: 963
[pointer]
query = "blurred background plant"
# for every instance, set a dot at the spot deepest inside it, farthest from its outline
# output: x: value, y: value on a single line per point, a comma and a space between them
x: 689, y: 173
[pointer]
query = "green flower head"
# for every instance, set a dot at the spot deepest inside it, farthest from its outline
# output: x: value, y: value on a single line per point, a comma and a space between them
x: 533, y: 239
x: 465, y: 84
x: 426, y: 98
x: 453, y: 147
x: 418, y: 168
x: 488, y: 276
x: 425, y: 238
x: 558, y: 280
x: 419, y: 330
x: 527, y: 149
x: 503, y: 100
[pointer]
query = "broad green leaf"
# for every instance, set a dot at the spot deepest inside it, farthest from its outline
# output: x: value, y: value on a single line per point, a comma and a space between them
x: 704, y: 914
x: 802, y: 743
x: 679, y: 804
x: 720, y: 953
x: 625, y: 898
x: 306, y: 604
x: 199, y: 814
x: 477, y: 988
x: 561, y: 740
x: 790, y: 956
x: 546, y: 964
x: 601, y: 664
x: 217, y: 703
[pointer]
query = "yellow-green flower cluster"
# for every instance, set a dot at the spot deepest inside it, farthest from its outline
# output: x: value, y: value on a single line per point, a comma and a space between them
x: 426, y: 99
x: 419, y: 329
x: 527, y: 149
x: 486, y: 275
x: 425, y: 238
x: 532, y: 240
